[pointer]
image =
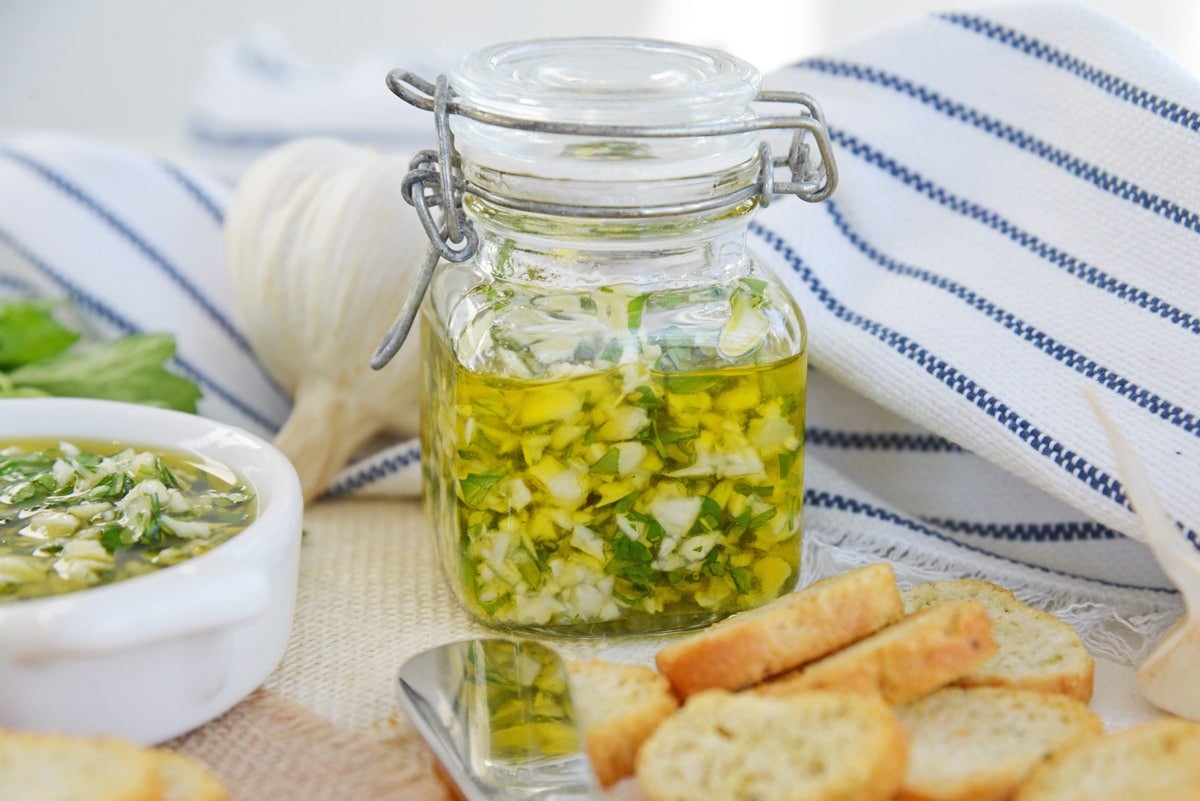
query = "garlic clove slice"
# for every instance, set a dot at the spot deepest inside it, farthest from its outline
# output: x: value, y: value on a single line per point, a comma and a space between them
x: 1168, y: 677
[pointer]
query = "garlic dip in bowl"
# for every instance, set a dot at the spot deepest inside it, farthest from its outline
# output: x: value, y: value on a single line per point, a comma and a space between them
x: 148, y: 566
x: 78, y: 514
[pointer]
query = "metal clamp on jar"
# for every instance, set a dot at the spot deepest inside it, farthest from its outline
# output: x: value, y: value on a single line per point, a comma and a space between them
x: 613, y: 415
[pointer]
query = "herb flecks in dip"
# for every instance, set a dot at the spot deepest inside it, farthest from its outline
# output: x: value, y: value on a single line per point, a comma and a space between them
x: 76, y: 515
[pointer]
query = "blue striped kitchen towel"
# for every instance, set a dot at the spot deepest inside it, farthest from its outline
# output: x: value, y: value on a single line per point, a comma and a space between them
x: 1016, y: 222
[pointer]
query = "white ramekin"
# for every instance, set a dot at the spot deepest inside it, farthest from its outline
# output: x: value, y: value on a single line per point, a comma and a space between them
x: 155, y: 656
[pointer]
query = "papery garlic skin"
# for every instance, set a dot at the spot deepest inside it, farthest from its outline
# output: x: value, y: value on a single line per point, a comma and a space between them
x: 1169, y: 677
x: 322, y: 248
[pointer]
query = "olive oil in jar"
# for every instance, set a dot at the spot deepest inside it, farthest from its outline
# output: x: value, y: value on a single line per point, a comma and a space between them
x: 622, y: 500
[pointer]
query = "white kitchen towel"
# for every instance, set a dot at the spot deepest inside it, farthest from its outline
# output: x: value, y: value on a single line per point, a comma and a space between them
x: 1016, y: 222
x: 256, y: 93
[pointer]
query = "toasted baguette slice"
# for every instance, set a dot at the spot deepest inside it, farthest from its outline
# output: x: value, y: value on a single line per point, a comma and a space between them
x: 1037, y: 650
x: 789, y: 631
x: 185, y: 779
x: 1159, y: 761
x: 37, y: 767
x: 818, y: 746
x: 619, y: 706
x: 907, y: 660
x: 978, y: 744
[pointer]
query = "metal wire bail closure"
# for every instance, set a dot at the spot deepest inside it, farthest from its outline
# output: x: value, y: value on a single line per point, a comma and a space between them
x: 435, y: 183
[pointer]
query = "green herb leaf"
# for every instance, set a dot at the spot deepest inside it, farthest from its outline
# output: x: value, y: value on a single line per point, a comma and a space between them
x: 654, y: 531
x: 631, y: 550
x: 112, y: 487
x: 607, y: 463
x: 126, y: 369
x: 743, y: 579
x: 612, y: 351
x: 710, y: 514
x: 482, y: 441
x: 763, y: 519
x: 645, y: 397
x: 21, y: 392
x: 28, y: 493
x: 670, y: 436
x: 690, y: 384
x: 631, y: 600
x: 755, y: 285
x: 786, y: 460
x: 625, y: 504
x: 476, y: 486
x: 115, y: 538
x: 29, y: 332
x: 714, y: 567
x: 634, y: 311
x: 640, y: 574
x: 751, y: 489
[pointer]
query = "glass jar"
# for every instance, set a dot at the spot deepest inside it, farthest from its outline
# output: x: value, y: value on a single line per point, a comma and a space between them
x: 613, y: 388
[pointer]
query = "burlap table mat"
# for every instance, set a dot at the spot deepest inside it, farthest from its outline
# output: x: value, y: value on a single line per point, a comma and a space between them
x: 326, y: 724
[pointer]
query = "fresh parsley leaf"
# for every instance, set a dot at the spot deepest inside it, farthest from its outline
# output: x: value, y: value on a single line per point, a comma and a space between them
x: 710, y: 515
x: 482, y: 441
x: 634, y: 311
x: 476, y: 486
x: 645, y: 397
x: 690, y: 384
x: 743, y: 579
x: 755, y: 285
x: 669, y: 436
x: 763, y: 519
x: 127, y: 369
x: 607, y: 463
x: 115, y: 538
x: 626, y: 503
x: 29, y: 332
x: 628, y: 550
x: 612, y: 351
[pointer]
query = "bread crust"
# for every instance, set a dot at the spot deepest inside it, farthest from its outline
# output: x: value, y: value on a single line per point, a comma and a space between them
x: 815, y: 746
x: 1020, y: 631
x: 186, y: 779
x: 979, y: 743
x: 96, y: 768
x: 619, y: 706
x: 909, y: 659
x: 790, y: 631
x: 1158, y: 760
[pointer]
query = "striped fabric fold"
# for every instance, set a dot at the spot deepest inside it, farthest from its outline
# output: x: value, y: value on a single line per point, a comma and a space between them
x: 1017, y: 223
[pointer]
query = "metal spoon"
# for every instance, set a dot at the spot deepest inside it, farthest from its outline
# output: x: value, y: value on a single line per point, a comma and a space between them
x: 498, y: 716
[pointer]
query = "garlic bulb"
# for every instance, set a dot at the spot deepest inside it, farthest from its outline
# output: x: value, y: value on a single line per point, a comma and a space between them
x: 1168, y: 677
x: 322, y: 246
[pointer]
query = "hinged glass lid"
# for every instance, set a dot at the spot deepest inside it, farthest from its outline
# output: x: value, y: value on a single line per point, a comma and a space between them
x: 603, y: 128
x: 604, y: 83
x: 605, y: 80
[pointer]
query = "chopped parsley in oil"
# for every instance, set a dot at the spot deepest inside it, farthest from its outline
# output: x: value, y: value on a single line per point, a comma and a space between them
x: 74, y: 516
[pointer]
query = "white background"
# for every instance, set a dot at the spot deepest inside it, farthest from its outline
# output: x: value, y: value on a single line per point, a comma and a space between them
x: 127, y: 70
